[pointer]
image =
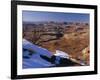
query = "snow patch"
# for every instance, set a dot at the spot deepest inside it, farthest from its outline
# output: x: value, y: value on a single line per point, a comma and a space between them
x: 62, y: 54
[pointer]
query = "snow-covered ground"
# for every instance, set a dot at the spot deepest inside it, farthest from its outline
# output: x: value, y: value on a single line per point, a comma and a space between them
x: 34, y: 60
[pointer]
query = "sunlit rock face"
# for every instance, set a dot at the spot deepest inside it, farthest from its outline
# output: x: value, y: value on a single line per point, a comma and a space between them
x: 86, y: 55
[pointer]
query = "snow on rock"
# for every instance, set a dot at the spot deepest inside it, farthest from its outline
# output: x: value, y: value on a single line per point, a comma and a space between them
x: 34, y: 60
x: 28, y: 45
x: 61, y: 54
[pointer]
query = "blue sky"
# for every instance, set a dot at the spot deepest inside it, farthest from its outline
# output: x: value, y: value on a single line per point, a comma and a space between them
x: 35, y: 16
